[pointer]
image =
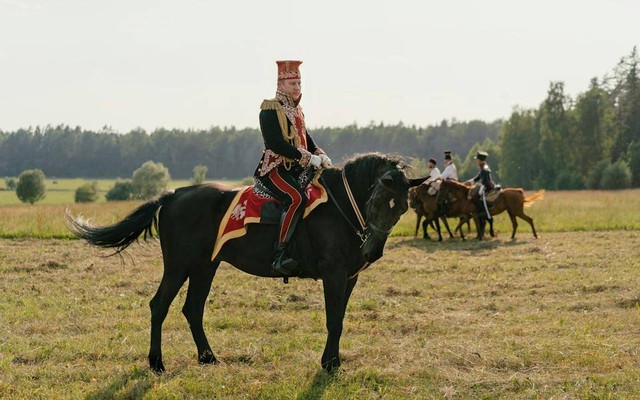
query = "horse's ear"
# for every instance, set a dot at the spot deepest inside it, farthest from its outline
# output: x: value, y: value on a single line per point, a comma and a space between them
x: 417, y: 181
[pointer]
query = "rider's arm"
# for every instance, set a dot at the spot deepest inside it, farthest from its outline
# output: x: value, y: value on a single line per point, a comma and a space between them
x: 273, y: 138
x: 311, y: 146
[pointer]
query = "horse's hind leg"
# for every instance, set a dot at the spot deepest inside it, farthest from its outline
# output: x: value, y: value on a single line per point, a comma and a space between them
x: 169, y: 287
x: 530, y: 221
x: 199, y: 285
x: 514, y: 225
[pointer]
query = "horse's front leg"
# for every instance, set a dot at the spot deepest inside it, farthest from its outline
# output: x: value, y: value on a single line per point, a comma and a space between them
x: 335, y: 296
x: 446, y: 225
x: 437, y: 220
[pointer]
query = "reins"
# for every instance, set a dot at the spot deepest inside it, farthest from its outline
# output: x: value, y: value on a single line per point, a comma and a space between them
x: 363, y: 225
x: 361, y: 233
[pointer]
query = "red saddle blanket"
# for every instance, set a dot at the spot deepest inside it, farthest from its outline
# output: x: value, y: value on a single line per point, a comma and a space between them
x: 246, y: 208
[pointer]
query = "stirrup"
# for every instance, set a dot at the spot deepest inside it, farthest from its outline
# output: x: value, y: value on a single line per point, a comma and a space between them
x: 284, y: 264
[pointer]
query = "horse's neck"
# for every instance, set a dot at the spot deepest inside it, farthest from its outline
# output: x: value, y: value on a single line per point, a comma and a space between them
x: 358, y: 189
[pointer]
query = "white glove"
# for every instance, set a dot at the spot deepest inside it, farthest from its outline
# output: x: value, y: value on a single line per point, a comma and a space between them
x: 326, y: 161
x: 316, y: 161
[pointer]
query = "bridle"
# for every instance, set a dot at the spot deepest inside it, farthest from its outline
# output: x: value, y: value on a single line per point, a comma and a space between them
x: 364, y: 225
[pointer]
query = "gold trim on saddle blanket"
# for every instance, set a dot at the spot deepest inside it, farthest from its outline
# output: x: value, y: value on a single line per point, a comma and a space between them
x: 222, y: 239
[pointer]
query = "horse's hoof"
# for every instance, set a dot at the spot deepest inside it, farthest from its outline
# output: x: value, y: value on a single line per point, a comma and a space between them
x: 331, y: 366
x: 207, y: 357
x: 156, y: 365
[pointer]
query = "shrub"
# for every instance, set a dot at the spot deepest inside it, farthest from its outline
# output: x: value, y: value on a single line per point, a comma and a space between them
x: 31, y: 186
x: 616, y: 176
x: 199, y: 173
x: 121, y: 190
x: 633, y: 154
x: 594, y: 177
x: 11, y: 183
x: 150, y: 180
x: 87, y: 193
x: 569, y: 180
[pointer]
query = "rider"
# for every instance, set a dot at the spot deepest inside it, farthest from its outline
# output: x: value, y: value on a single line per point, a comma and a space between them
x: 450, y: 170
x: 482, y: 183
x: 434, y: 173
x: 289, y: 150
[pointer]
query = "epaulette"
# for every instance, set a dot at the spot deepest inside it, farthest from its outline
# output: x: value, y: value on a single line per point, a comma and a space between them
x: 270, y: 104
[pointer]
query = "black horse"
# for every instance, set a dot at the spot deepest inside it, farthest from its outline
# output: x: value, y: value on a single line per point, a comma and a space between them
x: 327, y: 243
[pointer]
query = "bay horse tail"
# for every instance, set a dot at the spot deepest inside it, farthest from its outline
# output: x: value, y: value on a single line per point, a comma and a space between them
x: 121, y: 234
x: 539, y: 195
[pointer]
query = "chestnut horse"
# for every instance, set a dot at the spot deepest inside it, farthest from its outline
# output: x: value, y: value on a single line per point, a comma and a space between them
x: 511, y: 200
x: 426, y: 206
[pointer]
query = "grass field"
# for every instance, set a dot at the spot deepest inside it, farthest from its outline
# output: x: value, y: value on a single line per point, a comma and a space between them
x: 553, y: 318
x: 557, y: 212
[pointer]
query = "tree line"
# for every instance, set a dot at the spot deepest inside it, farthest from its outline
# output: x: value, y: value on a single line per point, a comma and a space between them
x: 590, y: 141
x: 62, y: 151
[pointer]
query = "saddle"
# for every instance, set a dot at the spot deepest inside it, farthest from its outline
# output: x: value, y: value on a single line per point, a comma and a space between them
x: 253, y: 205
x: 490, y: 195
x: 493, y: 194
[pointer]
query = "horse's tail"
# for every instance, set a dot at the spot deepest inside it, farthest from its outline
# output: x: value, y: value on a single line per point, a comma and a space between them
x: 539, y: 195
x: 121, y: 234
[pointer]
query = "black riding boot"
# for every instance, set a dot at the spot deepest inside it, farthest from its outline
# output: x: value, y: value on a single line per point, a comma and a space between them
x: 482, y: 216
x: 282, y: 262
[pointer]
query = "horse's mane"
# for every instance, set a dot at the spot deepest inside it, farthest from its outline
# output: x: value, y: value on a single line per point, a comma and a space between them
x: 362, y: 169
x: 363, y: 166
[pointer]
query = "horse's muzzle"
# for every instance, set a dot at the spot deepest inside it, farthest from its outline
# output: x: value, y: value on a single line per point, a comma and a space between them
x: 373, y: 248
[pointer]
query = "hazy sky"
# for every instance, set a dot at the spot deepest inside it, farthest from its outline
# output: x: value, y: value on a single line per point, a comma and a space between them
x: 194, y: 64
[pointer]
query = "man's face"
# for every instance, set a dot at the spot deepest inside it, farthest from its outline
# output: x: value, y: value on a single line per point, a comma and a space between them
x: 292, y: 87
x: 480, y: 162
x: 431, y: 165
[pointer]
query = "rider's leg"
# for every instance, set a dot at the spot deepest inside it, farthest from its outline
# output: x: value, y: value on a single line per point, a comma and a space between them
x: 292, y: 198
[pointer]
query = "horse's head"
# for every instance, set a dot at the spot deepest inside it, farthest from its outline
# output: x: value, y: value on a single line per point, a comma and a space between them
x: 387, y: 193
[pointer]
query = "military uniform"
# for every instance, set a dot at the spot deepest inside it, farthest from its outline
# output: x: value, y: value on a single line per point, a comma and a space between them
x: 288, y: 152
x: 482, y: 184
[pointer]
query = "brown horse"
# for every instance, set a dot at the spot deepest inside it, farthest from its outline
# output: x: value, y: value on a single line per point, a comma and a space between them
x: 426, y: 206
x: 511, y: 200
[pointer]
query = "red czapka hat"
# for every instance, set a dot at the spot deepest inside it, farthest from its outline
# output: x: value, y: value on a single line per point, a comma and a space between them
x: 288, y: 69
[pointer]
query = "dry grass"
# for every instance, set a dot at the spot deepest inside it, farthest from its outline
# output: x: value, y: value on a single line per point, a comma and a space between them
x: 554, y: 318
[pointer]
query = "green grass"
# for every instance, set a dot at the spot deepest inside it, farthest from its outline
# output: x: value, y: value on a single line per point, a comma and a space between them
x: 556, y: 317
x: 557, y: 212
